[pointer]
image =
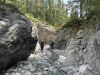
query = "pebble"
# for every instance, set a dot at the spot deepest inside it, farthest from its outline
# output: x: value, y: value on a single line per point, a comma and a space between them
x: 26, y: 73
x: 44, y: 67
x: 15, y: 74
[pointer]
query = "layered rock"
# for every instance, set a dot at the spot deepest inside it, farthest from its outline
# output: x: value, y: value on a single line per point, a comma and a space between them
x: 82, y: 51
x: 16, y: 38
x: 63, y: 38
x: 46, y: 33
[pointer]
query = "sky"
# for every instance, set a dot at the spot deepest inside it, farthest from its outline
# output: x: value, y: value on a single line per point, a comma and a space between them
x: 65, y: 1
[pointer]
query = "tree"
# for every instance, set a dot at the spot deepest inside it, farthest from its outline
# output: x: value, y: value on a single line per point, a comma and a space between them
x: 78, y: 5
x: 61, y: 12
x: 3, y: 1
x: 53, y: 11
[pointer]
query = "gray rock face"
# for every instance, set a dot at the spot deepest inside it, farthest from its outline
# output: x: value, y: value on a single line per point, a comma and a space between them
x: 16, y: 40
x: 46, y: 33
x: 63, y: 38
x: 83, y: 51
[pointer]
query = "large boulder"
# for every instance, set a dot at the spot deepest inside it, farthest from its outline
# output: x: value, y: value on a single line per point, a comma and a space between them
x: 16, y: 38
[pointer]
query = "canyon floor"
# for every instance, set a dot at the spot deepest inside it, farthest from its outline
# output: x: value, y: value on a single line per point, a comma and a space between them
x: 47, y: 63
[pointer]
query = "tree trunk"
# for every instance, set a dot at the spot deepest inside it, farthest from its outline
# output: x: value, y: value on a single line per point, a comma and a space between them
x: 4, y: 1
x: 81, y: 8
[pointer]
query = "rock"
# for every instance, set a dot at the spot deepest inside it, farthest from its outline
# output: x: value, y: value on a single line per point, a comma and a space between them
x: 61, y: 58
x: 82, y: 48
x: 82, y: 57
x: 26, y: 73
x: 98, y: 26
x: 45, y: 73
x: 39, y: 73
x: 7, y: 74
x: 15, y: 74
x: 16, y: 40
x: 62, y: 38
x: 46, y: 33
x: 46, y: 69
x: 80, y: 34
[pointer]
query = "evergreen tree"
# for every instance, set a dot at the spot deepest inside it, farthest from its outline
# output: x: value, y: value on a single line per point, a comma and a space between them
x: 53, y: 11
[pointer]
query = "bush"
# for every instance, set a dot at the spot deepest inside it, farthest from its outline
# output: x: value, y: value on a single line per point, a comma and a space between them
x: 74, y: 23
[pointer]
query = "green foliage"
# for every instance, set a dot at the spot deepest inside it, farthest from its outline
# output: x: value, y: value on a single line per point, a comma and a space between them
x: 61, y: 13
x: 76, y: 23
x: 3, y: 1
x: 86, y: 12
x: 35, y: 20
x: 73, y: 21
x: 53, y: 11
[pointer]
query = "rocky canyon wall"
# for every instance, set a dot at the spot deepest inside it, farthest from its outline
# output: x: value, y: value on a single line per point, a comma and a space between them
x: 82, y: 48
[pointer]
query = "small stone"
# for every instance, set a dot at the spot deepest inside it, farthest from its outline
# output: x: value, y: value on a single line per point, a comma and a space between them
x: 45, y: 73
x: 45, y: 69
x: 15, y: 74
x: 25, y: 67
x: 39, y: 73
x: 7, y: 74
x: 26, y: 73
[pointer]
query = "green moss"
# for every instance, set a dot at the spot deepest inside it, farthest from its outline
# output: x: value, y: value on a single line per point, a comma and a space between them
x: 37, y: 21
x: 31, y: 17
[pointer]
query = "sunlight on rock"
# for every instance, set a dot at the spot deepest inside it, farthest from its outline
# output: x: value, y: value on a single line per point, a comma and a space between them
x: 31, y: 56
x: 37, y: 46
x: 2, y: 23
x: 83, y: 68
x: 34, y: 56
x: 46, y: 47
x: 61, y: 58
